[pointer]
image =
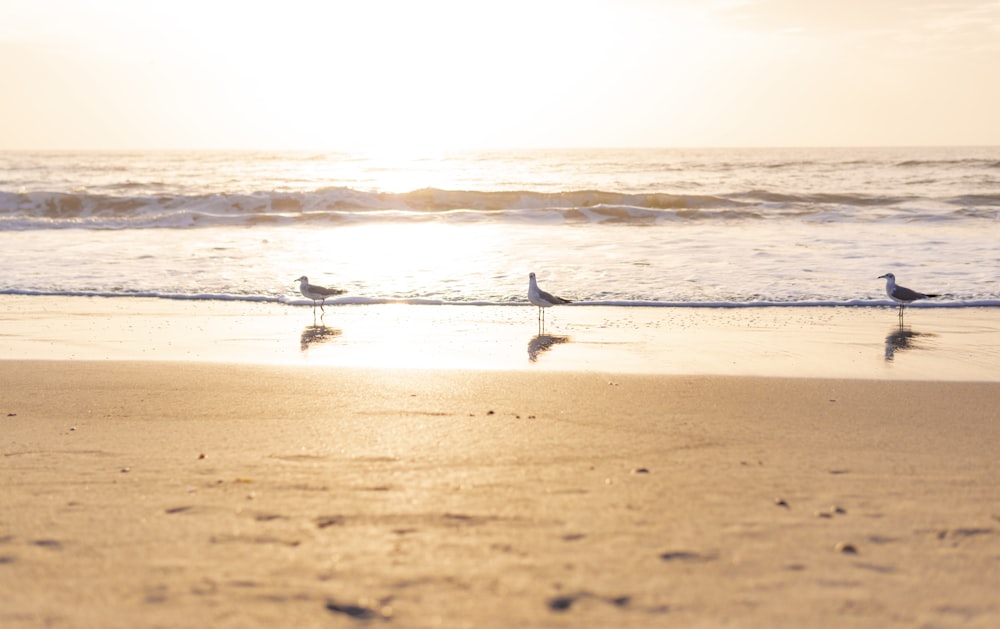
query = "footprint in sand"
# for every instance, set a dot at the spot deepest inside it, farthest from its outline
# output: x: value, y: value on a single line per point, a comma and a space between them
x: 564, y: 602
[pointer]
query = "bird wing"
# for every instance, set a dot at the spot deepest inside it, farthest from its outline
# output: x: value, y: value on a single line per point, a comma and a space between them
x: 552, y: 299
x: 901, y: 292
x: 323, y: 290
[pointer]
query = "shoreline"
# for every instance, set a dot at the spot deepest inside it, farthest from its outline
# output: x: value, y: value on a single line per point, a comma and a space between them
x: 816, y: 342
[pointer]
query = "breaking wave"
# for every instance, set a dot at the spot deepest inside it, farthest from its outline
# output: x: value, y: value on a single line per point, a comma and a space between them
x: 333, y: 206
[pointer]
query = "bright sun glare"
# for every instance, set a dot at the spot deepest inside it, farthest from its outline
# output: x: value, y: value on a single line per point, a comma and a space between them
x: 446, y: 74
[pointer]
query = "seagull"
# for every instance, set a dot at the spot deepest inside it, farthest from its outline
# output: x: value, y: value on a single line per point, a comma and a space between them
x: 316, y: 293
x: 901, y: 294
x: 542, y: 299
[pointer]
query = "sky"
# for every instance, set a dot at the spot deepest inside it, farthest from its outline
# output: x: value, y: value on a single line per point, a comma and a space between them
x: 440, y: 74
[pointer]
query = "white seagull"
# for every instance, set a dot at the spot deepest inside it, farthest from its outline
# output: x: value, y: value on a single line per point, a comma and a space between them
x: 542, y: 299
x: 316, y: 293
x: 901, y: 294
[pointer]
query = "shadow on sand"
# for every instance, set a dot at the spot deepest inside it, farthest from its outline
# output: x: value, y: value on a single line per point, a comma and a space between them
x: 542, y: 343
x: 903, y: 338
x: 314, y: 334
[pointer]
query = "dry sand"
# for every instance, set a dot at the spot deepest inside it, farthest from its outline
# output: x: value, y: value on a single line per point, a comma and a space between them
x: 192, y: 493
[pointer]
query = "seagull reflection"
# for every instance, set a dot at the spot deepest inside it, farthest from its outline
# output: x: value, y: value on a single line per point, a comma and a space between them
x: 543, y: 343
x: 317, y: 334
x: 902, y: 338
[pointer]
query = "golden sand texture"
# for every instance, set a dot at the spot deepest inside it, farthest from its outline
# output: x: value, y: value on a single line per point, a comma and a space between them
x: 194, y: 494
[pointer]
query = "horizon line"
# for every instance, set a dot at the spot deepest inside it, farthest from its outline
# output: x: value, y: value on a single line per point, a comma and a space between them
x: 458, y: 149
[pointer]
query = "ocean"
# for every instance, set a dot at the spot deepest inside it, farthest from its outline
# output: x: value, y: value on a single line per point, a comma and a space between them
x: 670, y: 227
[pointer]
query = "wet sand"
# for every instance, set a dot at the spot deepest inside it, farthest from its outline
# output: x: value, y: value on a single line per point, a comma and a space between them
x: 144, y: 487
x: 850, y: 342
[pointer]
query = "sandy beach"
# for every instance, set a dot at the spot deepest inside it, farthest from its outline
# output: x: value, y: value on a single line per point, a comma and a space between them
x: 169, y: 464
x: 932, y: 343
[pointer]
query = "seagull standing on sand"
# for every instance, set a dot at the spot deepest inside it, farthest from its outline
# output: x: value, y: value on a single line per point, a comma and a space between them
x: 542, y: 299
x: 316, y: 293
x: 901, y: 294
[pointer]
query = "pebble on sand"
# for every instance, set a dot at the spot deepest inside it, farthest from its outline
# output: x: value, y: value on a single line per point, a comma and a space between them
x: 846, y: 548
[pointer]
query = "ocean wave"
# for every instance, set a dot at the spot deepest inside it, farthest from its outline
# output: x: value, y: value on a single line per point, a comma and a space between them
x: 332, y: 206
x: 950, y: 163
